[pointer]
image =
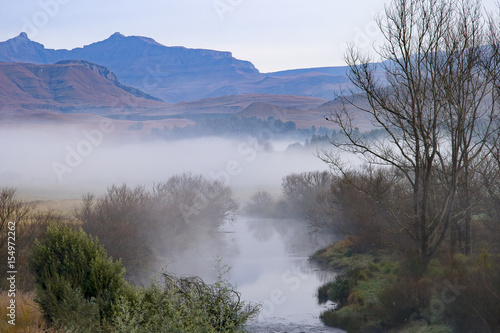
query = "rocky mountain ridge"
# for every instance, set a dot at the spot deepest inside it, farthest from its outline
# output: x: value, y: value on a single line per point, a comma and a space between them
x: 175, y: 73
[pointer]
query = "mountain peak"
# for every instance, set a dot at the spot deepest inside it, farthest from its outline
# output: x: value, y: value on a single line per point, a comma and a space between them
x: 23, y: 35
x: 117, y: 35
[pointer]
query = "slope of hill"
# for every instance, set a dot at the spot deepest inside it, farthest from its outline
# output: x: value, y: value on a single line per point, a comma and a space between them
x: 177, y: 74
x: 233, y: 104
x: 69, y: 86
x: 336, y: 71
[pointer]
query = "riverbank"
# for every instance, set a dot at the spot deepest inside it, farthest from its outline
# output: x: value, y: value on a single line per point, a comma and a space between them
x: 381, y: 291
x: 356, y: 289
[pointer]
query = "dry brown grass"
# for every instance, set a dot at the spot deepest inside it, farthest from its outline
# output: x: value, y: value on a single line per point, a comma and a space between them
x: 66, y: 207
x: 29, y: 319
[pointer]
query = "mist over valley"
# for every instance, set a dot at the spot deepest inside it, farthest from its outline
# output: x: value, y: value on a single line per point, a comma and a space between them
x: 153, y: 188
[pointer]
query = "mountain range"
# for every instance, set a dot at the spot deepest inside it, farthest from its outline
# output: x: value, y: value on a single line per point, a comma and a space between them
x: 137, y: 79
x: 175, y: 74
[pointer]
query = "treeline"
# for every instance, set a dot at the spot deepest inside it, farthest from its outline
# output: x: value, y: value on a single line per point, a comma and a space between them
x: 236, y: 127
x: 134, y: 224
x: 299, y: 198
x: 79, y: 288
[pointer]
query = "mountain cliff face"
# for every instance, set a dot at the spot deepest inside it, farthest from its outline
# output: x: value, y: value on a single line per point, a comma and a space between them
x: 68, y: 86
x: 170, y: 73
x: 176, y: 74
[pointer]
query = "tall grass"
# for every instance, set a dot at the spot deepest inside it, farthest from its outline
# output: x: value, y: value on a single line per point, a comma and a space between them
x: 29, y: 318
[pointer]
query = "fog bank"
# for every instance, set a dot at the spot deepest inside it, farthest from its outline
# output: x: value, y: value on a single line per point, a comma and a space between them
x: 62, y: 163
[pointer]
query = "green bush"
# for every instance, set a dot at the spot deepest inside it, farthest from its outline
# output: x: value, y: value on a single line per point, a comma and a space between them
x: 323, y: 292
x: 340, y: 289
x: 76, y: 283
x: 349, y: 318
x: 185, y: 305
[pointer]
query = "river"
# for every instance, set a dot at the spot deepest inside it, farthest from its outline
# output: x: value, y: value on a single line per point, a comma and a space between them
x: 269, y: 265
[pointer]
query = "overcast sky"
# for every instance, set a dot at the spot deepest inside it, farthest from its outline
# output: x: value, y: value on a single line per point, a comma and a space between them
x: 272, y: 34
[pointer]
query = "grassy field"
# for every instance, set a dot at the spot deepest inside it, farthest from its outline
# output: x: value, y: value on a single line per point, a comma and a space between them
x: 65, y: 207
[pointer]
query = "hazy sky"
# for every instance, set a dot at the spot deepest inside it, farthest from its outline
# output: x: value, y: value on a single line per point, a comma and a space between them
x: 272, y: 34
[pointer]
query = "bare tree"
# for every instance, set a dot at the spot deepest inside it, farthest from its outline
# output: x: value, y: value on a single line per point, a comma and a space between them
x: 141, y: 226
x: 300, y: 191
x: 261, y: 204
x: 436, y: 104
x: 30, y: 224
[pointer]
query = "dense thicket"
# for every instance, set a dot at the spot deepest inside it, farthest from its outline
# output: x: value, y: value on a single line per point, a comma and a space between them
x: 186, y: 305
x: 77, y: 285
x: 139, y: 226
x: 384, y: 283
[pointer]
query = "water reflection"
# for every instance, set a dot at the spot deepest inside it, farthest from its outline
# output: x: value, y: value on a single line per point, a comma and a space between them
x: 269, y: 260
x: 272, y: 267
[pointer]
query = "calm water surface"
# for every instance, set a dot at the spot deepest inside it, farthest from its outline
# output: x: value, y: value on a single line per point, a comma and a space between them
x: 271, y: 267
x: 269, y: 260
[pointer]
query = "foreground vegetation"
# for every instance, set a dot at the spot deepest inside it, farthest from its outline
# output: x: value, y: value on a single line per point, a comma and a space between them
x: 67, y: 282
x: 80, y: 289
x: 420, y: 217
x: 29, y: 318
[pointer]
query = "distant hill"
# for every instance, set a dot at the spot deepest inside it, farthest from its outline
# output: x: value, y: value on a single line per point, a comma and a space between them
x: 302, y: 118
x: 233, y: 104
x: 79, y: 86
x: 68, y: 87
x: 176, y: 74
x: 335, y: 71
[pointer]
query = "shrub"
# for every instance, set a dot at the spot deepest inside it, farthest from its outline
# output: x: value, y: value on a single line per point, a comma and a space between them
x: 76, y: 284
x: 30, y: 224
x: 323, y: 292
x: 28, y: 318
x: 340, y: 289
x: 348, y: 318
x: 472, y: 291
x: 300, y: 191
x: 398, y: 301
x: 185, y: 305
x: 13, y: 210
x: 121, y: 220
